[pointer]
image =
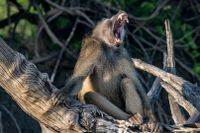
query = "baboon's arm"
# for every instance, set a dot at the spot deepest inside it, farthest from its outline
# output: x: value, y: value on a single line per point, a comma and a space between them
x: 88, y: 58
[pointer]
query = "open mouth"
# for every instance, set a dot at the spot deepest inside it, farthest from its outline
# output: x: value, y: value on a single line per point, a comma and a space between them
x: 118, y: 28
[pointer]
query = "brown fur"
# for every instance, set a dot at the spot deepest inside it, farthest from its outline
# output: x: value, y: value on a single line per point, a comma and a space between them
x: 104, y: 75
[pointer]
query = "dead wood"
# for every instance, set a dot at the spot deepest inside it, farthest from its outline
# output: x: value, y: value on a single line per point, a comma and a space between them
x: 177, y: 115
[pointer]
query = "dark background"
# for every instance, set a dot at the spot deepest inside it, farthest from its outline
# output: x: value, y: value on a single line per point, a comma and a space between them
x: 39, y: 28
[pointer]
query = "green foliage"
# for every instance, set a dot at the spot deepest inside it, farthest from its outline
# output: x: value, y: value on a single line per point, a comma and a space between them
x: 53, y: 46
x: 4, y: 32
x: 197, y: 68
x: 26, y: 30
x: 2, y: 9
x: 76, y: 43
x: 147, y: 7
x: 122, y: 3
x: 62, y: 22
x: 160, y: 29
x: 3, y: 15
x: 24, y: 3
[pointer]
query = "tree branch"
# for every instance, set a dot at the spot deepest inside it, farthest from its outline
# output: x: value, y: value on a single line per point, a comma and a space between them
x: 186, y: 89
x: 32, y: 18
x: 177, y: 115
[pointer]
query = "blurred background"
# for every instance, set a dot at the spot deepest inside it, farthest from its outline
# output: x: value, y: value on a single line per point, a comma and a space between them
x: 49, y: 34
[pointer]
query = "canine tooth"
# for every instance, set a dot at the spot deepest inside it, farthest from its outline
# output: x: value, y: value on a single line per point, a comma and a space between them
x: 121, y: 16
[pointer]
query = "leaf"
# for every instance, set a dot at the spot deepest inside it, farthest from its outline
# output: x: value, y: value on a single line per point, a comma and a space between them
x: 196, y: 68
x: 147, y: 7
x: 62, y: 22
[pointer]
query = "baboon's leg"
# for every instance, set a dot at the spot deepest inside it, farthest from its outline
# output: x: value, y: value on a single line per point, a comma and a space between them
x: 131, y: 97
x: 105, y: 105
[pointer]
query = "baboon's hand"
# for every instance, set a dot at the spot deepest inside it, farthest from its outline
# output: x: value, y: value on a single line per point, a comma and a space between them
x: 92, y: 109
x: 136, y: 119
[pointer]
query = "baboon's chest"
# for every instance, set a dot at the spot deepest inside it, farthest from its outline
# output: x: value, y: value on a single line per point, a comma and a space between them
x: 106, y: 79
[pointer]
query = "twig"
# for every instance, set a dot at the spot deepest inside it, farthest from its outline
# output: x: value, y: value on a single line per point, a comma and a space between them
x: 48, y: 30
x: 189, y: 70
x: 46, y: 58
x: 32, y: 18
x: 187, y: 34
x: 150, y: 44
x: 17, y: 5
x: 85, y: 23
x: 12, y: 117
x: 50, y: 33
x: 177, y: 10
x: 140, y: 45
x: 71, y: 11
x: 151, y: 33
x: 62, y: 51
x: 40, y: 31
x: 154, y: 14
x: 179, y: 62
x: 54, y: 14
x: 9, y: 21
x: 63, y: 2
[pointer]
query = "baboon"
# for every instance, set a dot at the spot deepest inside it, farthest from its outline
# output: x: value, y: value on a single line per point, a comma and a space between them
x: 104, y: 74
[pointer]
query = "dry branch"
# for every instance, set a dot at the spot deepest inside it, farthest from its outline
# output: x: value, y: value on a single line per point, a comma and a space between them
x: 63, y: 50
x: 12, y: 117
x: 182, y: 87
x: 50, y: 33
x: 177, y: 115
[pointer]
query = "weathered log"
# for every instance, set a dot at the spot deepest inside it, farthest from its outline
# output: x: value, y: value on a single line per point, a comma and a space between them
x: 187, y: 90
x: 34, y: 93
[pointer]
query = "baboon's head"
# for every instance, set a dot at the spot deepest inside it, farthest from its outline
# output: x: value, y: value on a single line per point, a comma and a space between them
x: 111, y: 30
